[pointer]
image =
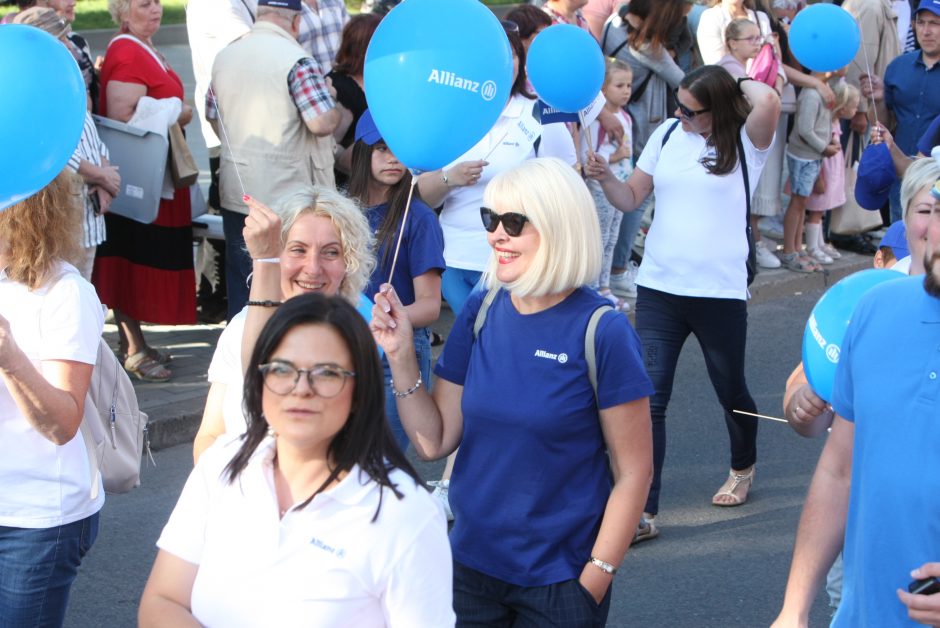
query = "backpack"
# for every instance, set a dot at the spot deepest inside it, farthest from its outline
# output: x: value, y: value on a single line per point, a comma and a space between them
x: 114, y: 428
x: 764, y: 67
x: 590, y: 352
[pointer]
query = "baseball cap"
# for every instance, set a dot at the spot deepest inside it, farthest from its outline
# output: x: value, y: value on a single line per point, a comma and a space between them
x: 292, y: 5
x: 929, y: 5
x: 43, y: 18
x: 875, y: 177
x: 895, y: 238
x: 366, y: 129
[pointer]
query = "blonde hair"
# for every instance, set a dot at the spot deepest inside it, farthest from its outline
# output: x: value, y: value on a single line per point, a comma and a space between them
x: 43, y: 230
x: 351, y: 225
x: 615, y: 65
x: 922, y: 173
x: 735, y: 29
x: 118, y: 9
x: 845, y: 92
x: 558, y: 204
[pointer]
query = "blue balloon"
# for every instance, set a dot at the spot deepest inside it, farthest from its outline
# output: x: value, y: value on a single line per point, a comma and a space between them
x: 824, y: 37
x: 825, y: 329
x: 42, y: 108
x: 566, y: 67
x: 437, y: 76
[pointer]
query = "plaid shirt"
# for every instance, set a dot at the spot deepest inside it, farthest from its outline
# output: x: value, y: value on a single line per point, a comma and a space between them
x: 558, y: 18
x: 307, y: 89
x: 322, y: 29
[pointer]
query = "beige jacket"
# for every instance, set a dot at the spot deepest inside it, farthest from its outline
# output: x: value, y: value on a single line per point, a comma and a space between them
x: 879, y: 25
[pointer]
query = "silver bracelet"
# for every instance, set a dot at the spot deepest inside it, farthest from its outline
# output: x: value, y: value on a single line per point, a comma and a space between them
x: 603, y: 565
x: 410, y: 391
x: 267, y: 260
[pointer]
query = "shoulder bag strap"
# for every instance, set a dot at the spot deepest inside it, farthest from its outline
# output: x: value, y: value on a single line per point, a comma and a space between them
x: 481, y: 313
x: 590, y: 351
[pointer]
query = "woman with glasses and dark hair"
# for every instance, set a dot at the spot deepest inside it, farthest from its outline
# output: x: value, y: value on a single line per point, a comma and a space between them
x: 694, y: 277
x: 315, y: 517
x: 539, y: 527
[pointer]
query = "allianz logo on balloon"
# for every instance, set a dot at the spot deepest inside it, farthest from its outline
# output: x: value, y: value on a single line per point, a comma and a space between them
x: 443, y: 77
x: 832, y: 350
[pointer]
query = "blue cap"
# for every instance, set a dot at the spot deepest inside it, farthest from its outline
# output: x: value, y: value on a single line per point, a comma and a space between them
x: 292, y: 5
x: 875, y: 177
x: 366, y: 129
x: 928, y: 5
x: 895, y: 239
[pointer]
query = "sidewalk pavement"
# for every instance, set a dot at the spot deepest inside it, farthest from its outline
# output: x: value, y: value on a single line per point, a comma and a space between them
x: 175, y: 407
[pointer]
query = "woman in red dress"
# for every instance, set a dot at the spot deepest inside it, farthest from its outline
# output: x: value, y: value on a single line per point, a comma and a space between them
x: 144, y: 272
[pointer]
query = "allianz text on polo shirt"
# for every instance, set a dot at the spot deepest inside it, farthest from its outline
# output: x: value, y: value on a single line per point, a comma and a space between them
x: 912, y: 92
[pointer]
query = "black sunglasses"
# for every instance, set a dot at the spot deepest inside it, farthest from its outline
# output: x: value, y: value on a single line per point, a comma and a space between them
x: 512, y: 222
x: 687, y: 113
x: 509, y: 26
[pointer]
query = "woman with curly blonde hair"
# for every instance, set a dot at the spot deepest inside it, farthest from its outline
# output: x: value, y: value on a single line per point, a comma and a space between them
x: 50, y: 329
x: 317, y: 241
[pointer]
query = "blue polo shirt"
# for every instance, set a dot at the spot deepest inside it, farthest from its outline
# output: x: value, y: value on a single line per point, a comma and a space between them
x: 422, y: 249
x: 912, y: 92
x: 531, y: 479
x: 888, y: 384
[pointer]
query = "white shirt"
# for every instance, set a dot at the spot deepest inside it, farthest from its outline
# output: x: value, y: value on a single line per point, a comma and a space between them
x: 327, y: 564
x: 42, y: 484
x: 696, y: 245
x: 506, y: 145
x: 226, y: 368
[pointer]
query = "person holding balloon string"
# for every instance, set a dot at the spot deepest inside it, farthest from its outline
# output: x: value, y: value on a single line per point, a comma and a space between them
x: 693, y: 279
x: 380, y: 184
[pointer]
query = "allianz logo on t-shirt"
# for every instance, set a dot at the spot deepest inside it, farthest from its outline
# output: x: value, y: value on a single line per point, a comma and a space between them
x: 561, y: 358
x: 443, y: 77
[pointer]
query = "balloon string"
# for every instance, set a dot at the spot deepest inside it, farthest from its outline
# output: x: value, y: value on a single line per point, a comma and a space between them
x: 218, y: 111
x: 760, y: 416
x: 401, y: 230
x: 874, y: 108
x: 496, y: 145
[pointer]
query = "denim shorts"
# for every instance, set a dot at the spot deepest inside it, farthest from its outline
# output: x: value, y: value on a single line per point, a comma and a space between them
x: 803, y: 174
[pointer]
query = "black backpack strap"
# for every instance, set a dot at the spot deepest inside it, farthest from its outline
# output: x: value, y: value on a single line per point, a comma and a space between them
x: 669, y: 132
x: 747, y: 182
x: 537, y: 114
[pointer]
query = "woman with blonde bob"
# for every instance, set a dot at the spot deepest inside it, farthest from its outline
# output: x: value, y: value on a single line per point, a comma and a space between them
x: 538, y: 526
x: 317, y: 241
x: 50, y: 330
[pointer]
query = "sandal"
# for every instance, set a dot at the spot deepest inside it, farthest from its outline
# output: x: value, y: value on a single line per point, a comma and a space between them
x: 811, y: 262
x: 163, y: 357
x: 796, y: 263
x: 145, y: 368
x: 616, y: 302
x: 733, y: 483
x: 645, y: 530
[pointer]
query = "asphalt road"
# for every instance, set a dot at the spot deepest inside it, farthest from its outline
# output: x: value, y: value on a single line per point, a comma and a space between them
x: 711, y: 567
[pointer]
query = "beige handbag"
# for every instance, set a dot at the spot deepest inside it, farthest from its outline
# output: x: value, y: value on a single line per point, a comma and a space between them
x: 183, y: 167
x: 852, y: 219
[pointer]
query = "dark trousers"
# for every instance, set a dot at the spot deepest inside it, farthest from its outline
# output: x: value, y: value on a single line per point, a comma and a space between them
x: 487, y: 602
x: 237, y: 261
x: 663, y: 322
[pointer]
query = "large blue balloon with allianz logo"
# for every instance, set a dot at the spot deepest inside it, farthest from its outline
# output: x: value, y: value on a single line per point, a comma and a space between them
x: 437, y: 75
x: 825, y: 329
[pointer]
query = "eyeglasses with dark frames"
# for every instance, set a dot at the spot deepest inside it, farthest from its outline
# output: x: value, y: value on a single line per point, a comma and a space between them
x: 513, y: 222
x: 326, y: 380
x: 688, y: 114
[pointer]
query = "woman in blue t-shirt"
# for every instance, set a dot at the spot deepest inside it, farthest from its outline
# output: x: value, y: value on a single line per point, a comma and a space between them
x: 539, y: 531
x: 381, y: 184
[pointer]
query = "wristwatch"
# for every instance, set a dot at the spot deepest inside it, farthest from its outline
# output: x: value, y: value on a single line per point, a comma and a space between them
x: 444, y: 177
x: 741, y: 79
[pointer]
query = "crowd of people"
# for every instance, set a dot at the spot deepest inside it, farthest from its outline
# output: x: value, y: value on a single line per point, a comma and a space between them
x: 338, y: 258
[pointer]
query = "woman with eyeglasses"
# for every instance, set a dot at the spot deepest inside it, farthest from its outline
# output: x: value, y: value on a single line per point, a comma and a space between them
x: 693, y: 279
x: 315, y: 518
x: 539, y: 529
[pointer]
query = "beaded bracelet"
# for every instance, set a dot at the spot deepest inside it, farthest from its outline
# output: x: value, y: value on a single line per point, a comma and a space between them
x: 410, y: 391
x: 266, y: 303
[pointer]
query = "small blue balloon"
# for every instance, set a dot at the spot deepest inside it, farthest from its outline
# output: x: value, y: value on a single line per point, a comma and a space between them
x: 566, y: 67
x: 42, y: 108
x: 825, y: 329
x: 824, y: 37
x: 437, y: 76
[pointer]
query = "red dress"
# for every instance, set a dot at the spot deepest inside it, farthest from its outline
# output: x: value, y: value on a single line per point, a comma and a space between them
x: 146, y: 271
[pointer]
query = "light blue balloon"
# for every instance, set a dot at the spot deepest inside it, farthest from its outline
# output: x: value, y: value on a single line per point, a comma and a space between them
x: 437, y: 76
x: 824, y: 37
x: 566, y: 67
x: 42, y: 108
x: 364, y: 307
x: 825, y: 329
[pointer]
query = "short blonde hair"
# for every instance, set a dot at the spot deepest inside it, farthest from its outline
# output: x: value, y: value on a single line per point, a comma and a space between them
x: 923, y: 172
x: 118, y: 9
x: 351, y: 224
x: 845, y: 93
x: 559, y: 206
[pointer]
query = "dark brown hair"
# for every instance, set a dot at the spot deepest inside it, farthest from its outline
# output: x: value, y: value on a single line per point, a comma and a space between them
x: 357, y: 34
x: 529, y: 18
x: 660, y: 18
x: 718, y: 92
x: 520, y: 86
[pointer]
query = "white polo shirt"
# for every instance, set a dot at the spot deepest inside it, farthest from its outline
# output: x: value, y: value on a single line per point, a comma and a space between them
x: 327, y: 564
x: 226, y: 368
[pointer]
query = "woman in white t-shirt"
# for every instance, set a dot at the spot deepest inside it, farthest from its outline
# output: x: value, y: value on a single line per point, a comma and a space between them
x: 315, y: 518
x: 693, y: 279
x: 50, y: 329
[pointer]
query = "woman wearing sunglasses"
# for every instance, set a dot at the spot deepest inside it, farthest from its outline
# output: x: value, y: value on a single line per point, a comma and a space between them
x: 315, y: 517
x: 693, y: 279
x: 539, y: 530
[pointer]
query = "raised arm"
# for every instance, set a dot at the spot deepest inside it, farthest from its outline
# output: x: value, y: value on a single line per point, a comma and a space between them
x: 761, y: 123
x: 263, y: 238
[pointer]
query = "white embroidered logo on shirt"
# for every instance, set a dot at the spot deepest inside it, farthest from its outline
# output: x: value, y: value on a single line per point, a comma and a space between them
x: 560, y: 357
x: 338, y: 552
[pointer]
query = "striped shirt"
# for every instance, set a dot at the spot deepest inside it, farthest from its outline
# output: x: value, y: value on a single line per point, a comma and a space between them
x: 90, y: 149
x: 321, y: 30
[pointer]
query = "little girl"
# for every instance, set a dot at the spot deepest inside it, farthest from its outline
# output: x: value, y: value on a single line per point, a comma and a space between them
x: 618, y: 85
x: 829, y: 191
x: 380, y: 183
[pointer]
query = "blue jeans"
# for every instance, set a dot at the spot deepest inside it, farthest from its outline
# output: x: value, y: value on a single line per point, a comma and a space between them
x: 629, y: 227
x: 484, y: 601
x: 457, y: 284
x: 237, y: 261
x: 423, y: 352
x: 663, y: 322
x: 37, y: 568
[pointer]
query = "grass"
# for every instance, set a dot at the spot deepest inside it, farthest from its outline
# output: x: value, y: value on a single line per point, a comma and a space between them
x: 93, y: 14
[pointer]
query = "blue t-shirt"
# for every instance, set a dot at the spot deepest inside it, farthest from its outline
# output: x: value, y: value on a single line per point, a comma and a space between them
x: 422, y: 249
x: 888, y: 384
x: 531, y: 479
x: 912, y: 92
x: 930, y: 138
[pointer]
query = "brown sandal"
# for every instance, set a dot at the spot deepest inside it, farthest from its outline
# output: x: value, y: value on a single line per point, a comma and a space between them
x: 730, y: 488
x: 145, y: 368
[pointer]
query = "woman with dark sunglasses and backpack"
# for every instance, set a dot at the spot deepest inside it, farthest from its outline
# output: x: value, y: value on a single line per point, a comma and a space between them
x: 539, y: 529
x: 694, y: 275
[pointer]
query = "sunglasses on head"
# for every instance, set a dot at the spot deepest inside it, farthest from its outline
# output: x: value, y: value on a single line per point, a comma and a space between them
x: 512, y: 222
x: 688, y: 114
x: 509, y: 26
